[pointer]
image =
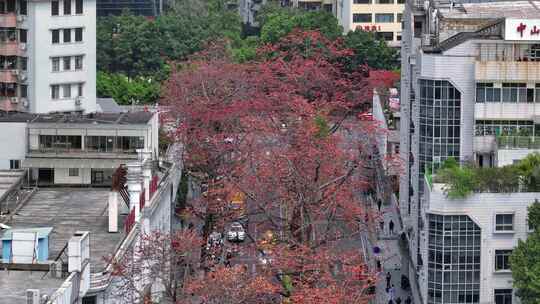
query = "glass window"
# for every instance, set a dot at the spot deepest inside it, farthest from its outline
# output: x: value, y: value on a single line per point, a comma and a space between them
x: 55, y: 36
x: 401, y: 1
x: 66, y: 89
x: 73, y: 171
x: 385, y: 1
x: 67, y: 7
x: 67, y: 63
x: 23, y: 35
x: 55, y: 8
x: 504, y: 222
x: 78, y: 34
x: 55, y: 91
x: 24, y: 90
x: 502, y: 259
x: 384, y: 18
x: 78, y: 62
x: 14, y: 164
x: 23, y: 63
x: 503, y: 296
x: 399, y: 17
x: 362, y: 1
x: 361, y: 18
x: 67, y: 35
x: 78, y: 7
x: 386, y: 36
x: 79, y: 90
x: 56, y: 64
x: 23, y: 7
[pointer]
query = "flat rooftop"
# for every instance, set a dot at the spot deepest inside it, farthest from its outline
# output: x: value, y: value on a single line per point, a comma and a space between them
x: 67, y: 211
x: 8, y: 181
x: 492, y: 10
x: 13, y: 285
x: 141, y: 117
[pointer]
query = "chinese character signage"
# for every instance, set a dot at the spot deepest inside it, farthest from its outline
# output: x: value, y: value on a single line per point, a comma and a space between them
x: 369, y: 28
x: 522, y: 29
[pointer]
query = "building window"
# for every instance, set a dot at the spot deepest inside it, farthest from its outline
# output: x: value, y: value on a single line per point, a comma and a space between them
x: 78, y: 62
x: 24, y: 90
x: 56, y: 64
x: 78, y: 34
x: 502, y: 259
x: 384, y: 18
x: 23, y: 35
x: 399, y: 17
x: 503, y: 296
x: 67, y: 63
x: 55, y: 10
x: 362, y: 1
x: 55, y: 36
x: 55, y: 91
x: 73, y: 171
x: 504, y: 127
x: 398, y: 36
x: 485, y: 92
x: 66, y: 88
x: 386, y: 36
x: 24, y: 63
x: 514, y: 92
x: 23, y: 7
x: 67, y: 35
x: 80, y: 89
x: 401, y: 1
x: 14, y: 164
x: 361, y: 18
x: 89, y: 300
x: 385, y: 1
x: 78, y: 7
x: 504, y: 222
x: 67, y: 7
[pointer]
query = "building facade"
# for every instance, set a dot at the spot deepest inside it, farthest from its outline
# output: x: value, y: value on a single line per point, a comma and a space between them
x: 48, y: 56
x: 469, y: 90
x: 380, y: 16
x: 137, y: 7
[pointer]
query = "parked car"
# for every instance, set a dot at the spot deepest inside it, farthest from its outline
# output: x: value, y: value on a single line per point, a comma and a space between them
x: 236, y: 232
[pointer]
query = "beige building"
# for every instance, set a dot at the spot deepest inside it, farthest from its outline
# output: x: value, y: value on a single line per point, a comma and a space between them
x: 380, y: 16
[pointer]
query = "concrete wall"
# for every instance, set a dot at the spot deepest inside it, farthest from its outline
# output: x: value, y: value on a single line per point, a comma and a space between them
x: 482, y: 208
x: 506, y: 157
x: 506, y: 110
x: 40, y: 50
x: 12, y: 143
x: 61, y: 176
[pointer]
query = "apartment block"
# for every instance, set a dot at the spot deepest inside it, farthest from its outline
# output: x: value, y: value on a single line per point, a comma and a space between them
x: 469, y: 91
x: 380, y: 16
x: 48, y: 56
x: 137, y: 7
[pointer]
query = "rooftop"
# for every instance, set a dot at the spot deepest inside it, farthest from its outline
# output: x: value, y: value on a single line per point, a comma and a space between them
x: 492, y: 10
x: 94, y: 118
x: 9, y: 179
x: 13, y: 285
x: 68, y: 211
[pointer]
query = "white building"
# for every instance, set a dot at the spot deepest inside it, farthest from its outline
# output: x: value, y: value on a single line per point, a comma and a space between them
x: 49, y: 50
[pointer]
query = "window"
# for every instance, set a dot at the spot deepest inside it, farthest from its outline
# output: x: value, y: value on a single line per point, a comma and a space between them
x: 89, y: 300
x: 514, y: 92
x: 55, y: 36
x: 23, y: 7
x: 67, y: 63
x: 502, y: 259
x: 24, y: 90
x: 24, y: 63
x: 56, y: 64
x: 73, y: 171
x: 386, y: 36
x: 485, y: 92
x: 67, y: 35
x: 504, y: 222
x: 14, y: 164
x: 385, y: 1
x: 398, y: 36
x: 23, y: 35
x: 79, y: 90
x: 55, y: 91
x: 78, y: 7
x: 401, y: 1
x: 503, y: 296
x: 66, y: 88
x: 67, y: 7
x: 78, y: 62
x: 78, y: 34
x: 361, y: 18
x: 362, y: 1
x: 55, y: 8
x: 384, y: 18
x: 399, y: 17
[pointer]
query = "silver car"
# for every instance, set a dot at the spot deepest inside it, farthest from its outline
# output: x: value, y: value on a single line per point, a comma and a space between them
x: 236, y: 232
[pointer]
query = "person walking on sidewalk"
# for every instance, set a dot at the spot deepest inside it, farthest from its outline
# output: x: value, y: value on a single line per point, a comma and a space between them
x: 388, y: 279
x: 381, y: 224
x: 392, y: 292
x: 379, y: 204
x: 398, y: 300
x: 391, y: 227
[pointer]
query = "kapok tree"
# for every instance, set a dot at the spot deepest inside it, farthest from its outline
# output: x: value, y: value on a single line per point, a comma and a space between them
x: 283, y: 132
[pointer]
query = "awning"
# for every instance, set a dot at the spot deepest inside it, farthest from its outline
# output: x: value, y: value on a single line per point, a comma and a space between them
x: 73, y: 163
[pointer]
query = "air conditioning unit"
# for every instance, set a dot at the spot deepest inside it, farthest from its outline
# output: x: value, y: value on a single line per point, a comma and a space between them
x: 22, y: 46
x: 14, y: 99
x: 24, y: 102
x: 32, y: 296
x: 23, y: 76
x: 15, y: 72
x: 20, y: 18
x: 78, y: 101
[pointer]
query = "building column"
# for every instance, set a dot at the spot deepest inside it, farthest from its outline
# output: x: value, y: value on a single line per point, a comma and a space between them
x: 134, y: 183
x: 145, y: 157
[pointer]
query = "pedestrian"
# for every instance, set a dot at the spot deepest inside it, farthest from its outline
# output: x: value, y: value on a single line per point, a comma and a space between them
x: 408, y: 300
x: 390, y: 301
x: 378, y: 265
x: 392, y: 292
x: 398, y: 300
x: 381, y: 224
x: 391, y: 226
x: 388, y: 279
x: 379, y: 204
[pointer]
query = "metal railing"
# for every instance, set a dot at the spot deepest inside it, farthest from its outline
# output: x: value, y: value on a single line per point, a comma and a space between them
x: 518, y: 142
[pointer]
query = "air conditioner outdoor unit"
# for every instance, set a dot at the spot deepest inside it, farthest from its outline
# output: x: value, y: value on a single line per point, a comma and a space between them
x: 23, y: 76
x: 22, y: 46
x: 20, y: 18
x: 14, y: 99
x: 78, y: 101
x: 15, y: 72
x: 24, y: 102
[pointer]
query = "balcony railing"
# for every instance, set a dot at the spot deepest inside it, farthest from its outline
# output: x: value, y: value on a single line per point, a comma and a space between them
x: 76, y: 153
x: 518, y: 142
x: 8, y: 20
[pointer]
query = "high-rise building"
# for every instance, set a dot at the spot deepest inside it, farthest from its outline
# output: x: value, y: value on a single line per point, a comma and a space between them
x: 48, y: 56
x: 380, y: 16
x: 470, y: 90
x: 137, y: 7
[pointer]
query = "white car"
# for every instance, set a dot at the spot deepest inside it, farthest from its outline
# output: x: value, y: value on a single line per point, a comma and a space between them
x: 236, y: 232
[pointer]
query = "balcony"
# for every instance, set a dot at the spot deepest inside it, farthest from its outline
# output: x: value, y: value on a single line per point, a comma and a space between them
x: 8, y: 104
x: 507, y: 71
x: 8, y: 20
x: 506, y: 110
x: 63, y: 151
x: 8, y: 76
x: 518, y: 142
x: 12, y: 48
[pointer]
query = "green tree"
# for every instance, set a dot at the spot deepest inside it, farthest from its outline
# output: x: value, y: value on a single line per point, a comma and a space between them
x: 370, y: 51
x: 534, y: 215
x: 126, y: 90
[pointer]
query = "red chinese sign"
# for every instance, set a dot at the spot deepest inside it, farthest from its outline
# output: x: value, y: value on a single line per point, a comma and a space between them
x: 369, y: 28
x: 522, y: 27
